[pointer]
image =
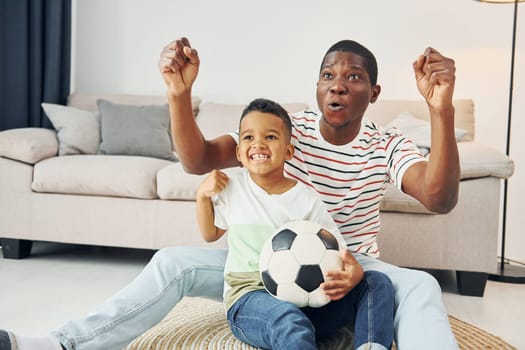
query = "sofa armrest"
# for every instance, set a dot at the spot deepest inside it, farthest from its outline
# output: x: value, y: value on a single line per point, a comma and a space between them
x: 28, y: 145
x: 477, y: 160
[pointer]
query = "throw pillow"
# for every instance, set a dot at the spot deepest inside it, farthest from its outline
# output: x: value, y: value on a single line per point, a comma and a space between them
x: 78, y: 131
x: 418, y: 130
x: 135, y: 130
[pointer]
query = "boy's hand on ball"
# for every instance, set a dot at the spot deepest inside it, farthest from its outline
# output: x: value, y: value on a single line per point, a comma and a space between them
x: 341, y: 282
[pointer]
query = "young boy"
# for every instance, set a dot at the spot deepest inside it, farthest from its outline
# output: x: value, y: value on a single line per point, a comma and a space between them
x: 250, y: 205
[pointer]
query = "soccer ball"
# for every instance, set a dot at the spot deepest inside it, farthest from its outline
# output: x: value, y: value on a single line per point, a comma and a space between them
x: 294, y: 261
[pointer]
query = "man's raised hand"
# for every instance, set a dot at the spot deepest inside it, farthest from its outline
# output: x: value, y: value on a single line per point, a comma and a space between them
x: 179, y: 66
x: 435, y: 77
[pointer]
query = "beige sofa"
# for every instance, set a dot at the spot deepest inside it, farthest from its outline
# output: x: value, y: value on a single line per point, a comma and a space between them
x: 146, y: 202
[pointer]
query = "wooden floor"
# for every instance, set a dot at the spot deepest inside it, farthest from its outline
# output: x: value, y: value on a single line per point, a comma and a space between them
x: 60, y: 282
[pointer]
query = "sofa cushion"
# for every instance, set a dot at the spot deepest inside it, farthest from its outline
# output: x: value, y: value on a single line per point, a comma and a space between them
x: 135, y: 130
x: 383, y: 111
x: 416, y: 129
x: 477, y: 160
x: 88, y: 102
x: 119, y: 176
x: 78, y: 131
x: 28, y: 145
x: 175, y: 184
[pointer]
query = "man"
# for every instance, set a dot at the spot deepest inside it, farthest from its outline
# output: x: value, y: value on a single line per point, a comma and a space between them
x: 342, y: 156
x: 346, y: 158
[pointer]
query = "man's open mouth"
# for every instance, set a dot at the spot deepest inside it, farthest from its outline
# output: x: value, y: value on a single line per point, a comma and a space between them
x: 335, y: 106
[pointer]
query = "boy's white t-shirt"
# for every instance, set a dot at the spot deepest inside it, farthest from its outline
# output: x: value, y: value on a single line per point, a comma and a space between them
x: 251, y: 216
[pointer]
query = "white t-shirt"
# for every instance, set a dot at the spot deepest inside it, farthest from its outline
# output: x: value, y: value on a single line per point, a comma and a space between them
x: 251, y: 215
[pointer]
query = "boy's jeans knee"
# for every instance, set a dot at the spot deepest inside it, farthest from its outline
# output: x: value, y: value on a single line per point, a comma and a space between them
x: 261, y: 320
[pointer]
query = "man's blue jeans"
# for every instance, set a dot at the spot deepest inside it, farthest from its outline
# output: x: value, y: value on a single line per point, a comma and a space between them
x: 263, y: 321
x: 420, y: 319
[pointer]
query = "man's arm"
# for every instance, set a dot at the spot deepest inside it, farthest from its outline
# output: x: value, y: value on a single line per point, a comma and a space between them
x: 213, y: 184
x: 179, y: 66
x: 436, y: 183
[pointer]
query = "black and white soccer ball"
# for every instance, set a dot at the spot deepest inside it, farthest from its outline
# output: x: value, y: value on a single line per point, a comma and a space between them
x: 294, y: 261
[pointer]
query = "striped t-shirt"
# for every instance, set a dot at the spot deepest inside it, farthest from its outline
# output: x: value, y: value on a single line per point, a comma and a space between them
x: 351, y: 178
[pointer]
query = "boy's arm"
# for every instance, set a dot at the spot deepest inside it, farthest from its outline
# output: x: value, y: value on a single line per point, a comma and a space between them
x: 213, y: 184
x: 436, y: 183
x: 179, y: 66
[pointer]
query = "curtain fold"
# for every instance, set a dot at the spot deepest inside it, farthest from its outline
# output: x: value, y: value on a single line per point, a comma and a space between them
x: 35, y: 45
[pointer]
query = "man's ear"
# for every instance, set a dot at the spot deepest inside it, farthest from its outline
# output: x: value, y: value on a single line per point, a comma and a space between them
x: 376, y: 90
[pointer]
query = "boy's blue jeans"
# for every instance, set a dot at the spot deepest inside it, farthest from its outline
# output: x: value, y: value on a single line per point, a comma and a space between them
x: 420, y: 319
x: 263, y: 321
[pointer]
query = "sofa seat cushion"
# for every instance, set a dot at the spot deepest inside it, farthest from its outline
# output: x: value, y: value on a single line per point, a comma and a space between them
x: 99, y: 175
x: 173, y: 183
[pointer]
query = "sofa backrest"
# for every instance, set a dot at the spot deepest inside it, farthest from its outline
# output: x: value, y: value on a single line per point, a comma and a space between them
x: 216, y: 119
x: 383, y: 111
x: 88, y: 102
x: 380, y: 112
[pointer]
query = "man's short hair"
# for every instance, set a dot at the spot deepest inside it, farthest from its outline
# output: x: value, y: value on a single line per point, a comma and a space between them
x: 358, y: 49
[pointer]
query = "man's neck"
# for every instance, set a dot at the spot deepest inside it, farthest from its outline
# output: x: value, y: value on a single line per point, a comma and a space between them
x: 341, y: 135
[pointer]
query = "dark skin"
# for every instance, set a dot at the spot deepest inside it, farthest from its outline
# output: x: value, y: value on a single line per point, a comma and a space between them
x: 344, y: 92
x: 434, y: 183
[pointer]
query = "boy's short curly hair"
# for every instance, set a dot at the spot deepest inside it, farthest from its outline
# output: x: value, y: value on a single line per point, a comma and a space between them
x: 268, y: 106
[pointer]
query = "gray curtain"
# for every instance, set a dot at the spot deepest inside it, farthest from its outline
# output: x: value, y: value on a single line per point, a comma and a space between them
x: 35, y: 45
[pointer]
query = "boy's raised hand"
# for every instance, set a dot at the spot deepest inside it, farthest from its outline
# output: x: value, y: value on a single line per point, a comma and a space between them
x: 343, y: 281
x: 214, y: 183
x: 179, y: 66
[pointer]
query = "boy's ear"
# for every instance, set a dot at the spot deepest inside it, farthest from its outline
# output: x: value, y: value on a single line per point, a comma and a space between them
x: 237, y: 154
x: 290, y: 149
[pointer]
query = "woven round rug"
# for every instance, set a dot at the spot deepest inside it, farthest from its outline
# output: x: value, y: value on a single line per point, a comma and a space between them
x: 197, y: 323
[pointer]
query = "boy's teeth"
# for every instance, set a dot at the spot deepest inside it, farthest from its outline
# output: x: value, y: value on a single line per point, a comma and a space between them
x: 259, y: 156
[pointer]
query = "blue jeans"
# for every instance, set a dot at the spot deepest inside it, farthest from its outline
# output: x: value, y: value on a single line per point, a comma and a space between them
x: 263, y: 321
x: 420, y: 319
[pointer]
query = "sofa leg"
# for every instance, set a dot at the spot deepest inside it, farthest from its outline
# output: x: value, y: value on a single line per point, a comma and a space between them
x: 471, y: 283
x: 16, y: 248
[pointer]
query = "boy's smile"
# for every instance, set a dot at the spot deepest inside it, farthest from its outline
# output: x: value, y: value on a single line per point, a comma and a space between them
x: 259, y: 157
x: 264, y: 145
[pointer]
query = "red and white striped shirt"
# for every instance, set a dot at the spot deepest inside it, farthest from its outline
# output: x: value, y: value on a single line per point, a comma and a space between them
x: 351, y: 178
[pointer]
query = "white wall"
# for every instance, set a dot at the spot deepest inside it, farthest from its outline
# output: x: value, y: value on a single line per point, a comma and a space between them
x: 273, y: 49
